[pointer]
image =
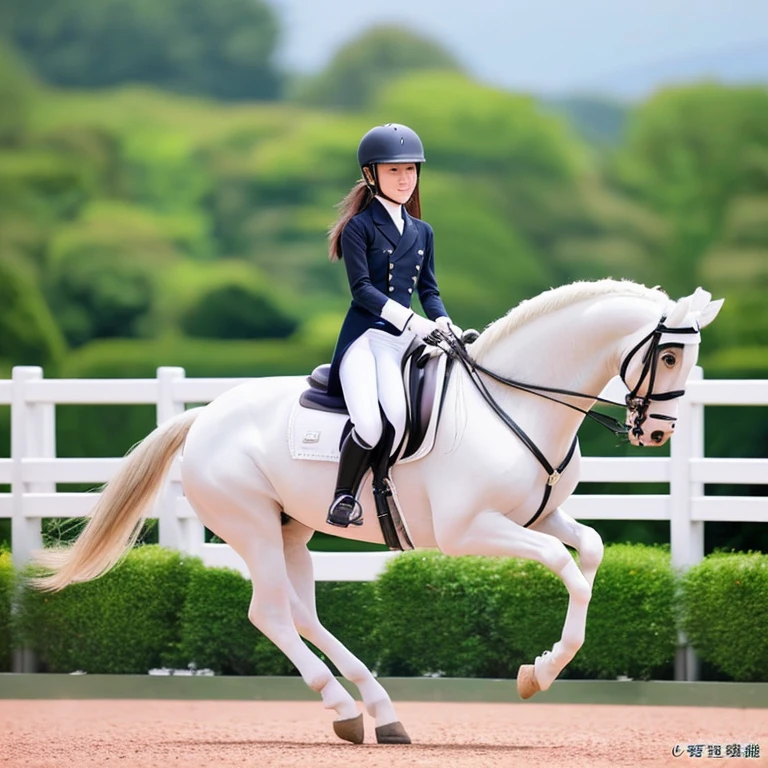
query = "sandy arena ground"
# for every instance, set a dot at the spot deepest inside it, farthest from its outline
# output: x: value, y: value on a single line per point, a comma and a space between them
x: 193, y: 734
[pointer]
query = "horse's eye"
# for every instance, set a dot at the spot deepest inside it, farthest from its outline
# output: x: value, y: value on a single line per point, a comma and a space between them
x: 669, y: 360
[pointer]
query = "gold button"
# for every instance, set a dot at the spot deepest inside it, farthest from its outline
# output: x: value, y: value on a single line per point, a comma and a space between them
x: 410, y: 290
x: 418, y: 266
x: 391, y: 288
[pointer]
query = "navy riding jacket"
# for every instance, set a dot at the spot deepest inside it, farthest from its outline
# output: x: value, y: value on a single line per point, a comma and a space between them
x: 383, y: 264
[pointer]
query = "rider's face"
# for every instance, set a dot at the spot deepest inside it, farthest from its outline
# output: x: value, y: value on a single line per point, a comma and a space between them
x: 397, y: 180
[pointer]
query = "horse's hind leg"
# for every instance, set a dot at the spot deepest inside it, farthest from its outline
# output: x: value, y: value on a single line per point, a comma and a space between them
x: 375, y: 699
x: 254, y: 532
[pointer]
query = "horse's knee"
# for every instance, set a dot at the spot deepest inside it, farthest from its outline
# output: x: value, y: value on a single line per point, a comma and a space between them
x: 591, y: 547
x: 578, y: 587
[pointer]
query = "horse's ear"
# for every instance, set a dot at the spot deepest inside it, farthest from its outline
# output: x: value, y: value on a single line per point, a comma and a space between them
x: 679, y: 312
x: 709, y: 313
x: 700, y: 299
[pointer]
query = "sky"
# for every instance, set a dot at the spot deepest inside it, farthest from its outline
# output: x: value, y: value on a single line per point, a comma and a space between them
x: 553, y: 47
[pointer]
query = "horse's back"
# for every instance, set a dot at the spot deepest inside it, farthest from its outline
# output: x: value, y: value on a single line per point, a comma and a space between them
x: 241, y: 431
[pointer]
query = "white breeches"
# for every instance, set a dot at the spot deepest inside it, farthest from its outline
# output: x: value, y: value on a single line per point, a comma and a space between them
x: 370, y: 374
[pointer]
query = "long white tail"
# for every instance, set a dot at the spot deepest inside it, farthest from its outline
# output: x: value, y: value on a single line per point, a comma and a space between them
x: 117, y: 519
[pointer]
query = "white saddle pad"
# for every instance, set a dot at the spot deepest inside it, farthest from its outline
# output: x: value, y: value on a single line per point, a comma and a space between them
x: 314, y: 435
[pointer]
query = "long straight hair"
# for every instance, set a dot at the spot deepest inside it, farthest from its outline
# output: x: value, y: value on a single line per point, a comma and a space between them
x: 358, y: 199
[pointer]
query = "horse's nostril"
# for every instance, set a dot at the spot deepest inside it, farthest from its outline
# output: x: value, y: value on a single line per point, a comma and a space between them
x: 657, y: 436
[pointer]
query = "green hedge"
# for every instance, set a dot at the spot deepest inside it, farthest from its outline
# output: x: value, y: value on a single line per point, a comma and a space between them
x: 6, y: 593
x: 631, y: 628
x: 435, y: 615
x: 125, y: 622
x: 216, y: 632
x: 724, y: 613
x: 428, y: 614
x: 483, y: 617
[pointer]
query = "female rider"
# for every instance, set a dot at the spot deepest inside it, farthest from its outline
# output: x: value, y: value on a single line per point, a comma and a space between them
x: 388, y: 254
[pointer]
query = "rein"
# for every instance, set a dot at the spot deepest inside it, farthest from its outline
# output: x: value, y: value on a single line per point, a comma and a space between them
x: 633, y: 402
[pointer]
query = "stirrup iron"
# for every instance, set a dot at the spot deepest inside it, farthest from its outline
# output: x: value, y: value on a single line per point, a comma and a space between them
x: 345, y: 510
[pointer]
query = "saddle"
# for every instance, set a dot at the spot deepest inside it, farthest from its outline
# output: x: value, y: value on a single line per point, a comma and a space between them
x: 425, y: 377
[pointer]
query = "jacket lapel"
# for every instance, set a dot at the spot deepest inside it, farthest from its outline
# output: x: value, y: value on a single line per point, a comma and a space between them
x: 407, y: 239
x: 384, y: 223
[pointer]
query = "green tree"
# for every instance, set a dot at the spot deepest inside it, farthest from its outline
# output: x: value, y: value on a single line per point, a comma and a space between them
x: 691, y: 154
x: 222, y: 49
x: 28, y: 333
x: 15, y: 97
x: 359, y: 68
x: 237, y: 312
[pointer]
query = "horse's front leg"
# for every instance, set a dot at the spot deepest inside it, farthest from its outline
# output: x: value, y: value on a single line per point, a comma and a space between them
x: 491, y: 533
x: 585, y: 540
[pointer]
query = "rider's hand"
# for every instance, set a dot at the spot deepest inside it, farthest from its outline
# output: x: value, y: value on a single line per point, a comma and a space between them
x: 448, y: 328
x: 421, y: 326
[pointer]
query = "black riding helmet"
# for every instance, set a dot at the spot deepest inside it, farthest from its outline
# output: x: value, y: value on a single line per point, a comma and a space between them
x: 390, y: 143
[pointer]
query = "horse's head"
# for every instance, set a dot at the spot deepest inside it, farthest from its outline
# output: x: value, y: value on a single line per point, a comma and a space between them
x: 657, y: 366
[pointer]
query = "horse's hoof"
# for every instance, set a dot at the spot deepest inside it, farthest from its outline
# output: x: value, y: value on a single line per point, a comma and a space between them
x: 526, y: 681
x: 392, y: 733
x: 350, y: 730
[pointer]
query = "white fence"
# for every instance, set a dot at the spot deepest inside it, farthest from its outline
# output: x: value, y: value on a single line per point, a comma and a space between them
x: 33, y: 469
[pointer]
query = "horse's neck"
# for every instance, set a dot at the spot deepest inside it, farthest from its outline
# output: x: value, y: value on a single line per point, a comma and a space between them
x: 579, y: 348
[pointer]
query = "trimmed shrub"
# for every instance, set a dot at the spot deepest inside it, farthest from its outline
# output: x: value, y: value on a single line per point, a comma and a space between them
x: 529, y: 610
x: 435, y: 612
x: 351, y: 612
x: 6, y: 593
x: 125, y: 622
x: 216, y: 632
x: 724, y: 616
x: 631, y: 627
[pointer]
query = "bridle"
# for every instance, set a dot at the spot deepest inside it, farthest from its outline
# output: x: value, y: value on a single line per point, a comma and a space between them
x: 640, y: 404
x: 635, y: 403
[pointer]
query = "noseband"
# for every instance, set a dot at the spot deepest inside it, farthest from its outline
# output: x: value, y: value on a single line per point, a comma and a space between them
x: 633, y: 402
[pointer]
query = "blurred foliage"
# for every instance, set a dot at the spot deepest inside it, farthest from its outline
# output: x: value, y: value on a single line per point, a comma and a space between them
x: 699, y: 156
x: 29, y: 334
x: 141, y: 228
x: 221, y: 49
x: 354, y: 75
x: 236, y: 312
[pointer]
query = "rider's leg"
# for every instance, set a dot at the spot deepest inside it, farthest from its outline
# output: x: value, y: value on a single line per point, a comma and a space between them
x: 358, y: 380
x: 388, y: 351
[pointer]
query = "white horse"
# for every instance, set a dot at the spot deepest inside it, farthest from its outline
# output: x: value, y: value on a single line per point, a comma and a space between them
x: 472, y: 495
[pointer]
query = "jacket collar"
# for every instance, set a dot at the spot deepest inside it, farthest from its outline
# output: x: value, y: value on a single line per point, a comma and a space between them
x: 383, y: 221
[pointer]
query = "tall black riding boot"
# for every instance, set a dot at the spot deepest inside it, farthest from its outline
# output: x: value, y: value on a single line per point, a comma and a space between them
x: 353, y: 464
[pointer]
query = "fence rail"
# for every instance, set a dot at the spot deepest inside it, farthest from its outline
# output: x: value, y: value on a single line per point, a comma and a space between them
x: 33, y: 470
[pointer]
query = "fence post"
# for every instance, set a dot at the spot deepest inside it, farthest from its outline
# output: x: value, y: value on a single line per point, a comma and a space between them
x: 686, y: 535
x: 183, y: 534
x: 33, y: 435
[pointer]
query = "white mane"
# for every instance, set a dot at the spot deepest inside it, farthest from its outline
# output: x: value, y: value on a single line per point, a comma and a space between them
x: 559, y: 298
